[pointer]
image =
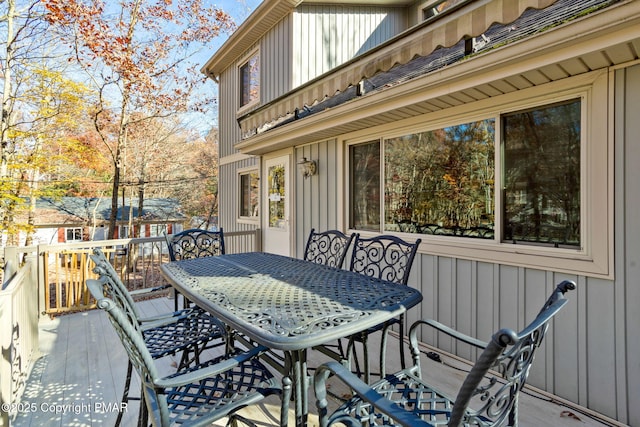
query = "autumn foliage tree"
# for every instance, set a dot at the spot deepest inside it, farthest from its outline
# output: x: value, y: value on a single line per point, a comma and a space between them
x: 137, y: 55
x: 39, y: 102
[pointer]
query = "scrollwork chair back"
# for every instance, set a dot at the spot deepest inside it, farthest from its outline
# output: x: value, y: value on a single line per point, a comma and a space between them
x: 328, y: 247
x: 388, y: 258
x: 384, y: 257
x: 196, y: 243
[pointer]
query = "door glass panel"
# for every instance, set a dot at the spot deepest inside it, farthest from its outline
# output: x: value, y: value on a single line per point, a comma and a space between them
x: 276, y: 196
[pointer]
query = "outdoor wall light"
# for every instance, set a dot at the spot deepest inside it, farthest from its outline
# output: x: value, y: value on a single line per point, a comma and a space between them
x: 307, y: 167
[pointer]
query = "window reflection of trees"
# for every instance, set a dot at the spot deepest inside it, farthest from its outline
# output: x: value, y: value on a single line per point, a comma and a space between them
x: 250, y: 80
x: 365, y: 186
x: 442, y: 181
x: 249, y: 195
x: 542, y: 175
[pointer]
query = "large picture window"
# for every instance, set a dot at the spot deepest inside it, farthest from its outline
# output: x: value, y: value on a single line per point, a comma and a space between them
x: 447, y: 186
x: 443, y: 181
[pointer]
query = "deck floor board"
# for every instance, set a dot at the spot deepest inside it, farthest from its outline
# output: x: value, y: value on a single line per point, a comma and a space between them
x: 78, y: 379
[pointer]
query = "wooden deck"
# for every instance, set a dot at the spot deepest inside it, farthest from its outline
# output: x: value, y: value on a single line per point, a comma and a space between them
x: 78, y: 380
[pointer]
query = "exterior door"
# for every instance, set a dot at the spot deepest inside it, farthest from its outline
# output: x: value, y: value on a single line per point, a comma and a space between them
x: 276, y: 190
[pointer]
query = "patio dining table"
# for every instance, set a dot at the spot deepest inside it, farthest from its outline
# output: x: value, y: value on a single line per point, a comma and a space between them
x: 288, y: 304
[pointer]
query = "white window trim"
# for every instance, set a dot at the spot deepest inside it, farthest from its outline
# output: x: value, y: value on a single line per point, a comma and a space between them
x: 595, y: 257
x: 253, y: 220
x: 244, y: 108
x: 66, y: 230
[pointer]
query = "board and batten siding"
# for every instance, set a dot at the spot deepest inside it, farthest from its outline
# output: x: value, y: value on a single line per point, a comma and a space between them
x: 590, y: 355
x: 229, y: 195
x: 287, y: 61
x: 229, y: 134
x: 228, y: 102
x: 347, y: 31
x: 318, y: 198
x: 626, y: 292
x: 275, y: 61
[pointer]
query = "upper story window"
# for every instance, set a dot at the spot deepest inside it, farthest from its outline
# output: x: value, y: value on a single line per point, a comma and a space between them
x: 523, y: 179
x: 250, y: 80
x: 434, y: 8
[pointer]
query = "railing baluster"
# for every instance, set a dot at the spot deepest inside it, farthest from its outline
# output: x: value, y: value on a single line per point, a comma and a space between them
x: 67, y: 266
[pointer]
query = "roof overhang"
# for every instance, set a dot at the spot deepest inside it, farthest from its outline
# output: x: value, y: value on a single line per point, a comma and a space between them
x: 602, y: 39
x: 467, y: 18
x: 263, y: 18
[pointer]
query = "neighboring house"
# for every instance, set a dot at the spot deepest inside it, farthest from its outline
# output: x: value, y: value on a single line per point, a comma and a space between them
x: 504, y: 134
x: 76, y: 219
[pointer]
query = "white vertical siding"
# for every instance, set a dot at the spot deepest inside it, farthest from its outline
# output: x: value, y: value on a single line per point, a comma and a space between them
x: 302, y: 46
x: 479, y: 298
x: 591, y: 353
x: 228, y: 183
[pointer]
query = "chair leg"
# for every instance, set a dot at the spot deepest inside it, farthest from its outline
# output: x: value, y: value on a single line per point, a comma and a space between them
x: 365, y: 351
x: 403, y: 364
x: 186, y: 360
x: 286, y: 398
x: 383, y: 351
x: 125, y: 393
x: 352, y: 356
x: 143, y: 413
x: 383, y: 348
x: 341, y: 350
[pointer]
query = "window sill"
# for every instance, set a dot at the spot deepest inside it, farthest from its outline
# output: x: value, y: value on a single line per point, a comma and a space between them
x: 248, y: 220
x: 569, y: 261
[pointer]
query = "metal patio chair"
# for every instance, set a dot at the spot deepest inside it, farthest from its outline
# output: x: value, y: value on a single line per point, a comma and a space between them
x: 389, y: 258
x: 194, y: 243
x: 328, y: 247
x: 197, y: 395
x: 406, y: 398
x: 185, y: 332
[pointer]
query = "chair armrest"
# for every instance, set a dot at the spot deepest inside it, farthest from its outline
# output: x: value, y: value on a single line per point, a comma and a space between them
x: 209, y: 371
x: 447, y: 330
x: 364, y: 392
x: 146, y: 291
x: 164, y: 319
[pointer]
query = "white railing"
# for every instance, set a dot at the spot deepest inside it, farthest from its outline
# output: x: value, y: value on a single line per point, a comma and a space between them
x: 18, y: 332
